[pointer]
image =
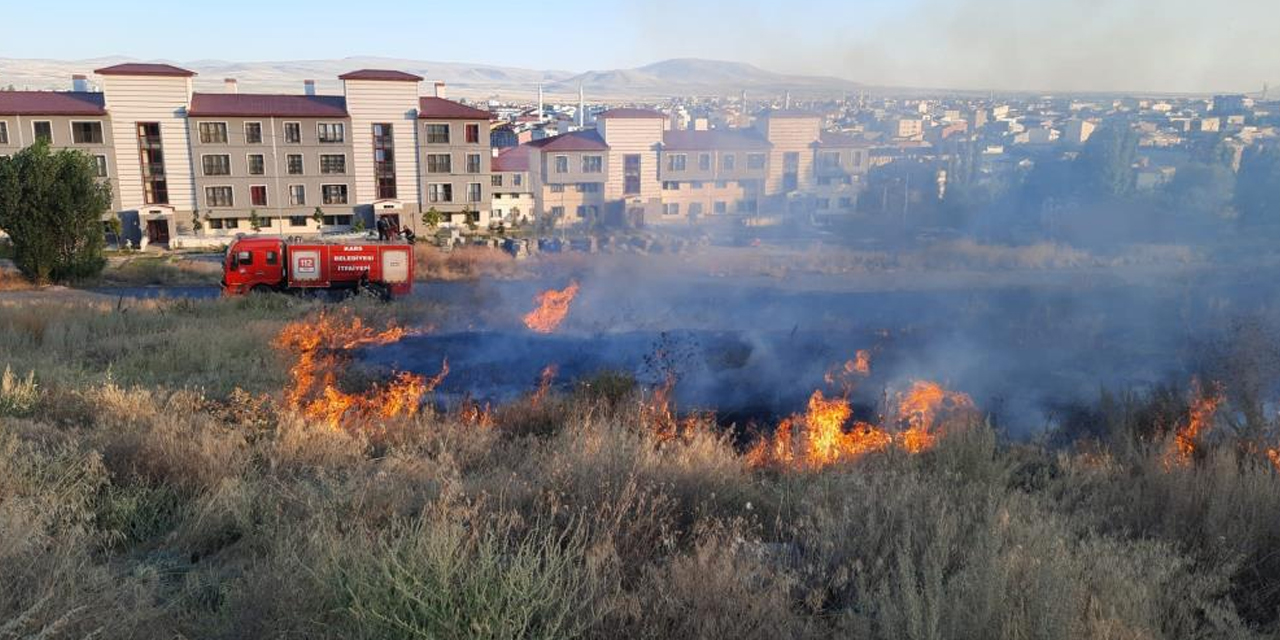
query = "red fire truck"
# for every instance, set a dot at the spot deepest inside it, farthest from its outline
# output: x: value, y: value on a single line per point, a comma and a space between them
x: 263, y: 264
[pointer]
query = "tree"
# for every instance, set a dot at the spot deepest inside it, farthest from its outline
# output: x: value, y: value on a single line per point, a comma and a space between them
x: 51, y: 205
x: 317, y: 216
x: 1200, y: 190
x: 1105, y: 166
x: 255, y: 222
x: 470, y: 218
x: 116, y: 229
x: 196, y: 225
x: 432, y: 218
x: 1258, y: 185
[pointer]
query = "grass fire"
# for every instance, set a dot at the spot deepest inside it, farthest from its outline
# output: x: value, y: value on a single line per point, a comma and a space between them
x: 269, y: 466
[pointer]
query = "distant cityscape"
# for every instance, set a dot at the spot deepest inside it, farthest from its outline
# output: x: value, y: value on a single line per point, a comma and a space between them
x: 393, y: 144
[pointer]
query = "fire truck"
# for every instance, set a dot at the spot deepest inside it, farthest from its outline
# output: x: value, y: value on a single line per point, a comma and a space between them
x: 264, y: 264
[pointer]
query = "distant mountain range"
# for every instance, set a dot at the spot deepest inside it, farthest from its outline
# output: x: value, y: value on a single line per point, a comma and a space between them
x: 679, y: 77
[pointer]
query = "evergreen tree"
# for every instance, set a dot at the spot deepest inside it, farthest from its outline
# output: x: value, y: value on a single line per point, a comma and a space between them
x: 51, y: 205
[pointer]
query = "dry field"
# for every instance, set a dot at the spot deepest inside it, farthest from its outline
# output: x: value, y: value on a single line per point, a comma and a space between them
x: 177, y: 469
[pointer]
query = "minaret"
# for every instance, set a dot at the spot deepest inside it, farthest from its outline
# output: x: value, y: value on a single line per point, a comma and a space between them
x: 787, y: 101
x: 540, y: 110
x: 582, y: 108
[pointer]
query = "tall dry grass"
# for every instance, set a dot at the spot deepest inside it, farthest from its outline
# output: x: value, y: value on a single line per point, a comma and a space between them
x: 138, y: 503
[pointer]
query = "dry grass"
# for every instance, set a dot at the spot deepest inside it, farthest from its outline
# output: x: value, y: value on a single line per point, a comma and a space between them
x: 466, y: 263
x: 152, y: 503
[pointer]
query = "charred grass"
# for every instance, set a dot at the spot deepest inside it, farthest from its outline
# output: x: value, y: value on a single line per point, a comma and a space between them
x: 144, y: 494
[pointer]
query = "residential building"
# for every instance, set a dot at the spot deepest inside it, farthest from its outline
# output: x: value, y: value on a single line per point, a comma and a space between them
x: 454, y: 156
x: 513, y: 197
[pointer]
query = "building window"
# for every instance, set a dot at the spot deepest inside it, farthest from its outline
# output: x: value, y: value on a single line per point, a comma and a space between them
x: 297, y: 221
x: 232, y: 223
x: 671, y: 209
x: 676, y: 162
x: 155, y: 188
x: 384, y: 160
x: 473, y: 134
x: 557, y: 188
x: 437, y: 134
x: 215, y: 223
x: 631, y: 174
x: 258, y: 195
x: 331, y: 132
x: 721, y: 207
x: 86, y: 132
x: 4, y: 133
x: 257, y: 164
x: 337, y: 221
x: 333, y: 163
x: 704, y: 162
x: 473, y: 163
x: 495, y: 181
x: 43, y: 130
x: 333, y: 193
x: 829, y: 159
x: 473, y: 192
x: 517, y: 180
x: 294, y: 163
x: 297, y: 195
x: 557, y: 213
x: 588, y: 187
x: 442, y: 192
x: 100, y: 166
x: 562, y: 164
x: 217, y: 196
x: 439, y: 163
x: 670, y: 185
x: 216, y: 165
x: 727, y: 161
x: 213, y: 133
x: 293, y: 132
x: 755, y: 160
x: 592, y: 164
x: 253, y: 133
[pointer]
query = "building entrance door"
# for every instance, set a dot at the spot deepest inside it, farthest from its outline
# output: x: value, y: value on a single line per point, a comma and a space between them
x: 158, y: 231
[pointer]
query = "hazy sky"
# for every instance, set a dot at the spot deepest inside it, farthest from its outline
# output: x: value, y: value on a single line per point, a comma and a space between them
x: 1164, y: 45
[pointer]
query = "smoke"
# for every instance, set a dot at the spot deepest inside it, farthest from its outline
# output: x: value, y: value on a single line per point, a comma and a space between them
x: 1047, y: 45
x: 759, y: 347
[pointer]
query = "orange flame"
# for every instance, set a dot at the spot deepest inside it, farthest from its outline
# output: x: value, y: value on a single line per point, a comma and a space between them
x: 1274, y: 456
x: 1204, y: 405
x: 322, y: 346
x: 818, y: 438
x: 553, y: 306
x: 659, y: 418
x: 544, y: 383
x: 919, y: 410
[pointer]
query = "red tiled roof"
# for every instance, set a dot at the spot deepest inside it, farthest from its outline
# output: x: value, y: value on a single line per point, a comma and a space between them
x: 837, y: 139
x: 586, y: 140
x: 380, y: 74
x: 713, y: 139
x: 513, y: 159
x: 252, y: 105
x: 631, y: 113
x: 442, y: 109
x: 51, y: 103
x: 144, y: 69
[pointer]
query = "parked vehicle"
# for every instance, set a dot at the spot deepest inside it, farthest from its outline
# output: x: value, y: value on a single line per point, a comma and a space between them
x: 261, y: 264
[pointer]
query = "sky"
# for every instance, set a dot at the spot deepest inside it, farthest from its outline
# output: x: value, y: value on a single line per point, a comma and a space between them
x: 1062, y: 45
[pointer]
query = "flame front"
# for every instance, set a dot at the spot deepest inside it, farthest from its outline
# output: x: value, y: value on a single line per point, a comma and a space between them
x: 1204, y: 406
x: 545, y: 379
x: 1274, y: 456
x: 553, y: 306
x: 322, y: 346
x: 919, y: 410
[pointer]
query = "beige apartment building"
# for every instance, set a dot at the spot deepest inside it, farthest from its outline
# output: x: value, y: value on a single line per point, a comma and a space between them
x: 454, y: 154
x: 305, y: 163
x: 513, y: 199
x: 66, y: 120
x: 281, y: 158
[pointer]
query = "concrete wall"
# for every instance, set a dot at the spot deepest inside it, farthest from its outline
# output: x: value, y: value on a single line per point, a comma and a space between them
x: 458, y: 149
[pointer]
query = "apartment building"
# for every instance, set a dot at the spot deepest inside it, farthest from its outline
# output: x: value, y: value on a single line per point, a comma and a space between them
x: 66, y: 120
x: 280, y: 158
x: 511, y: 182
x: 300, y: 163
x: 296, y: 163
x: 455, y: 156
x: 569, y: 176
